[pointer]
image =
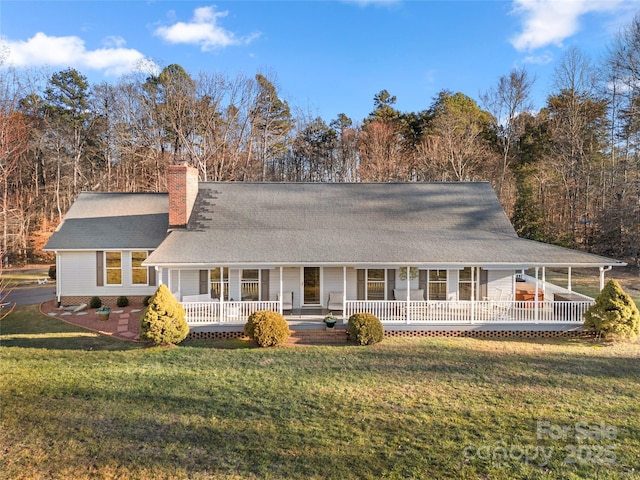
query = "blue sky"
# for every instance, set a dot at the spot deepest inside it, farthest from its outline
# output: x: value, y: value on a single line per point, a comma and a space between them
x: 327, y: 57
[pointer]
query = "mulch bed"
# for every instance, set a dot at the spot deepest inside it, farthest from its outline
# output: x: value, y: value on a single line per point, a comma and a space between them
x: 115, y: 326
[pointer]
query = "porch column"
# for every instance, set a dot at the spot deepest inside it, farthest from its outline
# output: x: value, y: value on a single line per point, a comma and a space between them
x: 473, y: 293
x: 535, y: 296
x: 280, y: 295
x: 569, y: 279
x: 544, y: 281
x: 408, y: 294
x: 222, y: 317
x: 344, y: 294
x: 158, y: 275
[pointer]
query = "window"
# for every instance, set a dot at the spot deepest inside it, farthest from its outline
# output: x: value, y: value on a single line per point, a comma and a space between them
x: 437, y: 285
x: 139, y: 274
x: 214, y: 280
x: 113, y: 270
x: 376, y: 282
x: 250, y: 285
x: 464, y: 284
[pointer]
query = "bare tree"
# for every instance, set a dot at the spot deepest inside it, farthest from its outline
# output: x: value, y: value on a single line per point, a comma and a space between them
x: 506, y: 101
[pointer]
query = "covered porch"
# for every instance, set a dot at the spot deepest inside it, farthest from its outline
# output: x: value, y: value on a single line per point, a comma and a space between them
x: 422, y: 298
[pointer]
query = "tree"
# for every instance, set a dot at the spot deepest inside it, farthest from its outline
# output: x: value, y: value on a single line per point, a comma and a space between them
x: 506, y: 101
x: 271, y: 123
x: 614, y: 315
x: 577, y: 117
x: 455, y: 145
x: 163, y: 322
x: 67, y: 107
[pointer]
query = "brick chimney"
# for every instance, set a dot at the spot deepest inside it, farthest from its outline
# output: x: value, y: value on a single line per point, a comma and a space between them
x: 182, y: 181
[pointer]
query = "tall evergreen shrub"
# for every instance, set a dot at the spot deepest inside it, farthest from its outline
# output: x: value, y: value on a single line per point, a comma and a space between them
x: 614, y: 315
x: 164, y: 321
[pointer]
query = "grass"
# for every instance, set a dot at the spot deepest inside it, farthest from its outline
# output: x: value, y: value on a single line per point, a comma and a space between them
x: 79, y: 405
x: 14, y: 277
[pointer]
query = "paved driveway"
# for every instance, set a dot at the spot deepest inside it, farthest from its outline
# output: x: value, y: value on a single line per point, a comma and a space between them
x: 31, y: 295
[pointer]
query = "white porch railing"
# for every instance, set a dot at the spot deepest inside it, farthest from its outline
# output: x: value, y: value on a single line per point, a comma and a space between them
x: 422, y: 312
x: 419, y: 312
x: 204, y: 313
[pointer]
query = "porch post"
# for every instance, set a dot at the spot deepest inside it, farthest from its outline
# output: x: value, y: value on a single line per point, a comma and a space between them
x: 344, y: 294
x: 569, y: 278
x: 222, y: 317
x: 535, y: 296
x: 280, y: 295
x: 544, y: 281
x: 408, y: 294
x: 473, y: 293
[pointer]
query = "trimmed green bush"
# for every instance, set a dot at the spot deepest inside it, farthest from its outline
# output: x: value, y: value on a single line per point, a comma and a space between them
x: 614, y: 315
x: 164, y: 321
x: 267, y: 328
x: 122, y: 301
x: 145, y: 300
x: 95, y: 302
x: 365, y: 328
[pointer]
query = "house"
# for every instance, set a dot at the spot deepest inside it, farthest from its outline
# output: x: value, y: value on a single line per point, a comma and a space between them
x: 417, y: 255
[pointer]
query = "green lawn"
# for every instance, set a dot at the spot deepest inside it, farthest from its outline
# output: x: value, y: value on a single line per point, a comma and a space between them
x: 78, y: 405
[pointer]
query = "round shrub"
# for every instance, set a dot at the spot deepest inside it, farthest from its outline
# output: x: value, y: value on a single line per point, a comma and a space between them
x: 164, y: 321
x: 95, y: 302
x: 122, y: 301
x: 145, y: 300
x: 365, y: 328
x: 267, y: 328
x: 614, y: 314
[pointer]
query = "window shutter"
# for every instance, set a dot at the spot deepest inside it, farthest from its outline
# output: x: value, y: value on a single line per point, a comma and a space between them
x: 152, y: 273
x: 484, y: 281
x: 100, y: 268
x: 391, y: 282
x: 423, y: 282
x: 264, y: 287
x: 362, y: 284
x: 204, y: 281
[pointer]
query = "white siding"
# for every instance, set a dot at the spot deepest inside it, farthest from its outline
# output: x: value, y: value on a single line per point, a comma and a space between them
x: 332, y: 282
x: 500, y: 281
x: 77, y: 277
x: 291, y: 283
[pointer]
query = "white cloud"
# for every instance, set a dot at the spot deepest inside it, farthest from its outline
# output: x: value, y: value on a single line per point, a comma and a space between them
x: 43, y: 50
x: 549, y: 22
x: 203, y: 30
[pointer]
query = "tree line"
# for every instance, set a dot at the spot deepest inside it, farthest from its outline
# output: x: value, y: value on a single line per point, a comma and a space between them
x: 567, y: 174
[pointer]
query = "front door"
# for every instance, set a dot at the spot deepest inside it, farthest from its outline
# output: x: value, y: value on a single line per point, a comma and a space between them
x: 311, y: 286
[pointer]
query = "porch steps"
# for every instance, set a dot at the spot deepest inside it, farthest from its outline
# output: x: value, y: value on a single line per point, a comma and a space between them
x: 324, y: 336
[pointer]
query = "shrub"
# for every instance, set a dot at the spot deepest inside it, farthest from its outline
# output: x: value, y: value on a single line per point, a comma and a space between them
x: 95, y: 302
x: 614, y: 315
x: 365, y: 328
x: 145, y: 300
x: 52, y: 272
x: 267, y: 328
x: 122, y: 301
x: 164, y: 322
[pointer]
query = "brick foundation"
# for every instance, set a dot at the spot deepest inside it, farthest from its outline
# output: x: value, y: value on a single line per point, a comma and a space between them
x: 108, y: 301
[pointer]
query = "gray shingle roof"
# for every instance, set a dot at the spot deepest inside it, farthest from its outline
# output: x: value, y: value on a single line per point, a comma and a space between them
x: 99, y: 221
x: 357, y: 223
